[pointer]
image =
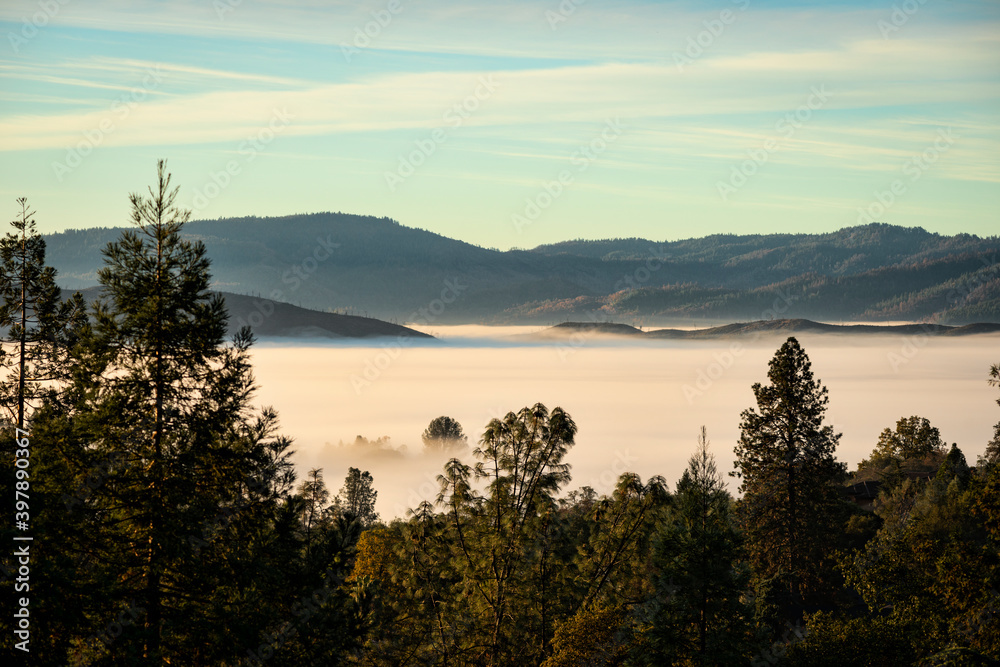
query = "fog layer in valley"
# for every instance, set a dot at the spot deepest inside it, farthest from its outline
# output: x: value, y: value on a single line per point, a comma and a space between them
x: 638, y: 406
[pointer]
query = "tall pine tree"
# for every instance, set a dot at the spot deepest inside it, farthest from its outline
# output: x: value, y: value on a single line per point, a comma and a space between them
x: 40, y: 324
x: 697, y: 615
x: 791, y: 482
x: 192, y: 472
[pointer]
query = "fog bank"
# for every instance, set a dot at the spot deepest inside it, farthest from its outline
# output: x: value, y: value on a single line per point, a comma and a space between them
x: 638, y: 407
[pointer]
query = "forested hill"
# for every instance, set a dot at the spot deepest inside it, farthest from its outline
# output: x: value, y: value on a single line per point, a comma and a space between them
x: 775, y: 328
x: 377, y: 267
x: 268, y: 318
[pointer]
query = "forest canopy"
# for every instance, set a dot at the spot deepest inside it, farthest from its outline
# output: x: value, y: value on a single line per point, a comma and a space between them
x: 169, y: 527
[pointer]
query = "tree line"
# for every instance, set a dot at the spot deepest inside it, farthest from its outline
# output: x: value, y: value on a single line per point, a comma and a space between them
x: 169, y: 527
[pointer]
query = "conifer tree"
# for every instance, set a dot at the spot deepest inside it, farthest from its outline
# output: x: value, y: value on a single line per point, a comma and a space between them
x: 39, y: 331
x: 444, y: 434
x: 37, y: 321
x: 696, y: 615
x: 357, y: 497
x: 790, y: 479
x: 992, y: 455
x: 195, y: 473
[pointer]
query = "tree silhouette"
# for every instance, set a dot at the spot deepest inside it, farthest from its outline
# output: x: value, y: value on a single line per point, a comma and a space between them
x: 697, y: 616
x: 790, y: 477
x: 41, y: 325
x: 443, y: 434
x: 913, y: 437
x: 357, y: 497
x: 158, y: 392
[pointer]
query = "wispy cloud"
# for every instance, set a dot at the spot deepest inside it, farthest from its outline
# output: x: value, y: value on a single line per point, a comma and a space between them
x: 222, y: 73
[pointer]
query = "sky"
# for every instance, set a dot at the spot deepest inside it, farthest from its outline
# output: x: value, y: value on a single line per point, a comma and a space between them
x: 509, y: 124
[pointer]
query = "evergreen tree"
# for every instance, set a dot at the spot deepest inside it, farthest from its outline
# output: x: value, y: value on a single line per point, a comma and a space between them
x: 928, y: 579
x: 192, y: 526
x: 170, y: 390
x: 521, y: 459
x: 315, y: 499
x: 697, y: 615
x: 992, y: 454
x: 39, y: 331
x: 35, y: 318
x: 791, y: 504
x: 443, y: 434
x: 357, y: 498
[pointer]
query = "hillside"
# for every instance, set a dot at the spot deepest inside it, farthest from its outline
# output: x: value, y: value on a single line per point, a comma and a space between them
x: 779, y: 328
x: 267, y: 318
x: 378, y: 267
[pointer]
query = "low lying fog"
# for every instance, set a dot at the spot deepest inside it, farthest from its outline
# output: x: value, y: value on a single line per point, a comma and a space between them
x: 638, y: 405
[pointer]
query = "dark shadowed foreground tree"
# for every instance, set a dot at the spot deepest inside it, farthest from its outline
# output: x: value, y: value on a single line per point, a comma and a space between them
x: 34, y: 318
x: 38, y: 332
x: 929, y: 579
x: 167, y: 397
x: 698, y: 615
x: 169, y: 498
x: 791, y: 510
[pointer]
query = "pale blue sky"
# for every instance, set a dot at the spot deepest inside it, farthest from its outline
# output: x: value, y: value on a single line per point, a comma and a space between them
x: 463, y: 117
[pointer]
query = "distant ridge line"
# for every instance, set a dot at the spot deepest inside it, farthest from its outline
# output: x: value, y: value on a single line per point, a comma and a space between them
x: 782, y: 326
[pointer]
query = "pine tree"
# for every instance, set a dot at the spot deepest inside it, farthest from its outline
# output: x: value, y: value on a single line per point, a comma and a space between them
x: 790, y: 480
x: 357, y: 498
x: 697, y: 615
x: 40, y: 330
x: 158, y: 392
x: 37, y: 321
x: 521, y: 458
x: 992, y: 455
x: 444, y: 434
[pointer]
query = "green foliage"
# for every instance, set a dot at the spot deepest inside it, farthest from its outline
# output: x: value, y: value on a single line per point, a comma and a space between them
x: 697, y: 614
x: 173, y: 531
x: 34, y: 318
x: 490, y: 577
x: 597, y: 636
x: 913, y: 449
x: 163, y: 502
x: 791, y: 507
x: 913, y: 438
x: 933, y: 566
x: 992, y: 455
x: 882, y: 641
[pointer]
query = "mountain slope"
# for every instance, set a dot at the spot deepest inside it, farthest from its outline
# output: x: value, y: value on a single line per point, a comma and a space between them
x: 267, y: 318
x: 348, y: 263
x: 779, y: 327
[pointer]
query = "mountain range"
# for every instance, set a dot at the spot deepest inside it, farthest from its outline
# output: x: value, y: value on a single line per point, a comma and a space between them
x: 377, y: 268
x: 572, y: 331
